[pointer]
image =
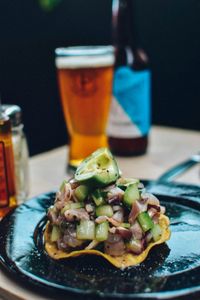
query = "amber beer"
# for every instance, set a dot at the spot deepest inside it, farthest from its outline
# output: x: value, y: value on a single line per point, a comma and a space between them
x: 85, y: 81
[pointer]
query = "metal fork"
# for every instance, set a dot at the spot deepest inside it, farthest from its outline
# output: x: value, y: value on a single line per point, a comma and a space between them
x: 179, y: 169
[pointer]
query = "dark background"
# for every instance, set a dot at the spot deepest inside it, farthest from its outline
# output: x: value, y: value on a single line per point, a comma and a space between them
x: 168, y: 30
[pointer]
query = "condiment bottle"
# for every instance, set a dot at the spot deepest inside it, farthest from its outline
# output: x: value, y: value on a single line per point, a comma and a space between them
x: 20, y: 148
x: 129, y: 122
x: 7, y: 171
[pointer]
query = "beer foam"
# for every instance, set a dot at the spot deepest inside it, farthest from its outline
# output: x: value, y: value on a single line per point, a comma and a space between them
x: 76, y: 62
x: 84, y: 57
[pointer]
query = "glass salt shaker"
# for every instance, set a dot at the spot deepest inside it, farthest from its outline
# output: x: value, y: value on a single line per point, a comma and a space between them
x: 21, y: 153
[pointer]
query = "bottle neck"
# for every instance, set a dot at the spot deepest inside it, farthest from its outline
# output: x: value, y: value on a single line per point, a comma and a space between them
x: 124, y: 36
x: 120, y: 23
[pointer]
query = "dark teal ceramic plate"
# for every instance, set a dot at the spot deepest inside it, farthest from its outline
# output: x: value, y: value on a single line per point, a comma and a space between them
x: 171, y: 269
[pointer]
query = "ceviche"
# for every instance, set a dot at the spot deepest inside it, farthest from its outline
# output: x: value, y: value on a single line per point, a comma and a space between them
x: 99, y: 212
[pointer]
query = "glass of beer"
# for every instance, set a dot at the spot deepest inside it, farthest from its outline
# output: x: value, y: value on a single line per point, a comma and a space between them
x: 85, y: 82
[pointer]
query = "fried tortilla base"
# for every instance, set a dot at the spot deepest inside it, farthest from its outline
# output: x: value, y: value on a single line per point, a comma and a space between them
x: 124, y: 261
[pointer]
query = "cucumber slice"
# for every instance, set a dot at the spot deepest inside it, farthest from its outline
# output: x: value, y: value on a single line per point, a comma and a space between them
x: 98, y: 197
x: 145, y: 221
x: 125, y: 225
x: 86, y: 230
x: 81, y: 192
x: 156, y: 232
x: 131, y: 194
x: 123, y: 183
x: 102, y: 232
x: 104, y: 210
x: 55, y: 234
x: 76, y: 205
x: 99, y: 169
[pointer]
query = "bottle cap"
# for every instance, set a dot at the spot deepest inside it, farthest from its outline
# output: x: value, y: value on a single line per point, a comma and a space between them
x: 14, y: 112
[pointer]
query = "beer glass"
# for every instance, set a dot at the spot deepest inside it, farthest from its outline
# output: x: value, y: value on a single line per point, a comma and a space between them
x: 85, y: 83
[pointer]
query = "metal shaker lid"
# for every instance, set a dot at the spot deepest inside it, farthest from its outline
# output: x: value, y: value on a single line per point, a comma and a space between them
x: 14, y: 112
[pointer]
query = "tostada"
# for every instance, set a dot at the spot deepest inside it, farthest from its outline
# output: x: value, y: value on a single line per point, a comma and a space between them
x: 100, y: 212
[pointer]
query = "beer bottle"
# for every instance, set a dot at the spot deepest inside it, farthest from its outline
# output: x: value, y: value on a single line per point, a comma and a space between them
x: 129, y: 121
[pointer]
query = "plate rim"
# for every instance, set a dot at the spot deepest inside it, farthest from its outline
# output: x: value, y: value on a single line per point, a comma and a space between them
x: 39, y: 282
